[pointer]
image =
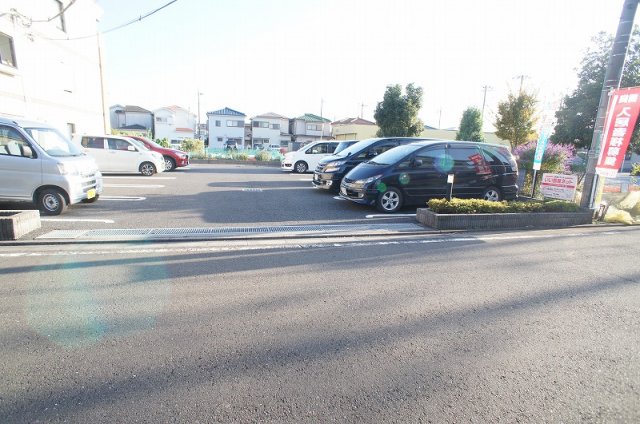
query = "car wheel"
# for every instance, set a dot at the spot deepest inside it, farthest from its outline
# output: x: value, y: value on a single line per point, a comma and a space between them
x: 147, y: 169
x: 169, y: 164
x: 301, y: 167
x: 492, y: 194
x: 51, y: 202
x: 389, y: 201
x: 92, y: 200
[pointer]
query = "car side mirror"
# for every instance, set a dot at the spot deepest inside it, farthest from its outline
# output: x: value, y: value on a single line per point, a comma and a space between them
x: 416, y: 163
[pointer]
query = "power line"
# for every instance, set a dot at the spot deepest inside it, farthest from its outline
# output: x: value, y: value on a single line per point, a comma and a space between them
x: 133, y: 21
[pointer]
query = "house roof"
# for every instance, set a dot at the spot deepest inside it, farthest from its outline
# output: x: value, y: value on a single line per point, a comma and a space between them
x: 189, y: 130
x: 133, y: 127
x: 353, y: 121
x: 133, y: 108
x: 226, y: 111
x: 310, y: 117
x: 270, y: 115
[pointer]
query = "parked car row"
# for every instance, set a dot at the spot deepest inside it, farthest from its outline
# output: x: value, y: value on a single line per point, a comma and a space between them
x: 40, y: 165
x: 131, y: 154
x: 396, y: 171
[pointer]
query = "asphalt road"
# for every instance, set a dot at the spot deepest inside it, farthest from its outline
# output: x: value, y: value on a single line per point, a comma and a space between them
x: 536, y: 326
x: 209, y: 195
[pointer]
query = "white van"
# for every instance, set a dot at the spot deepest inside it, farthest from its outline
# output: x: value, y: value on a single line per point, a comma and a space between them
x: 38, y: 164
x: 115, y: 154
x: 306, y: 158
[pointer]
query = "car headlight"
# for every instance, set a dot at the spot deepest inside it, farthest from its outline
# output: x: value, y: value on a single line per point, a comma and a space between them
x: 368, y: 180
x: 334, y: 166
x: 67, y: 169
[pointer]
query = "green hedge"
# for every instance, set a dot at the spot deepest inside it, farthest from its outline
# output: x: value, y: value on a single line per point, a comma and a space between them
x: 468, y: 206
x: 635, y: 170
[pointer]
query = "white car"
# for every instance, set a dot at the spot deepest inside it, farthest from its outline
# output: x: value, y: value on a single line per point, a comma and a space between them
x: 115, y: 154
x: 307, y: 157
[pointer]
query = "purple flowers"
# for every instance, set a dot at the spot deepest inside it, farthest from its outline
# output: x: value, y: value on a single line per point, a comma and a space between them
x: 557, y: 157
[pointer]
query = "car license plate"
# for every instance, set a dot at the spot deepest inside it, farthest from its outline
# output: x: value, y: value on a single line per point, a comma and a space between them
x: 91, y: 193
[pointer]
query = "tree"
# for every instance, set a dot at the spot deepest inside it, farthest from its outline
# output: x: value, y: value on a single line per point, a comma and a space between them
x: 471, y: 125
x: 515, y: 119
x: 397, y: 114
x: 576, y: 117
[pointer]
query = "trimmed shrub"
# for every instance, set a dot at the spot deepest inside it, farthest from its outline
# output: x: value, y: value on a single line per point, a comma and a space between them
x: 263, y: 155
x: 472, y: 206
x: 164, y: 142
x: 192, y: 145
x: 239, y: 155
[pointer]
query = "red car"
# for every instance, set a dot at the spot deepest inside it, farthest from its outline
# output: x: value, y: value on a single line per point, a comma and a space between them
x: 172, y: 158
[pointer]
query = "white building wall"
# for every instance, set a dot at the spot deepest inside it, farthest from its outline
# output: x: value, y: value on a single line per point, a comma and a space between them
x: 223, y: 131
x: 54, y: 81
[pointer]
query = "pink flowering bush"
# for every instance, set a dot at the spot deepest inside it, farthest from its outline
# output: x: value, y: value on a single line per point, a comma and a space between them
x: 557, y: 158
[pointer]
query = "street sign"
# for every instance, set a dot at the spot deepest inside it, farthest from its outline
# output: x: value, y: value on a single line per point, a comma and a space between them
x: 622, y: 113
x: 559, y: 186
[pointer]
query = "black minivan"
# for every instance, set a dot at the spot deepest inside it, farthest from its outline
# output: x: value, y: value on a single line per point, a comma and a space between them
x: 417, y: 172
x: 332, y: 169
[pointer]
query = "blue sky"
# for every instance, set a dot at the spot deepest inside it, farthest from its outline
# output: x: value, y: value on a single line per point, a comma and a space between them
x: 291, y: 56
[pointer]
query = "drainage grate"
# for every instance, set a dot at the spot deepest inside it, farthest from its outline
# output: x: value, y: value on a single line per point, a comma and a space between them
x: 155, y: 233
x: 252, y: 190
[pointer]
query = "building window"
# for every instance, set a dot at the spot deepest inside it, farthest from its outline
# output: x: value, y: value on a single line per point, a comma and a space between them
x: 220, y: 139
x: 235, y: 123
x: 161, y: 119
x: 314, y: 127
x: 218, y: 123
x: 60, y: 24
x: 260, y: 124
x: 275, y: 126
x: 7, y: 54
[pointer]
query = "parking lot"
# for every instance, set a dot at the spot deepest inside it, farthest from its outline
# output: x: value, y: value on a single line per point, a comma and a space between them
x: 212, y: 195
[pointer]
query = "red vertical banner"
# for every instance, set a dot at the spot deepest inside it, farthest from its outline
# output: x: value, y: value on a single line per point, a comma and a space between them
x: 622, y: 113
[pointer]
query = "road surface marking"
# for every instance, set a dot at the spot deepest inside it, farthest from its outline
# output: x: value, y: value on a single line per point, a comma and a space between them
x: 142, y: 178
x: 105, y: 221
x: 135, y: 185
x: 123, y: 198
x: 346, y: 244
x: 306, y: 179
x: 395, y: 215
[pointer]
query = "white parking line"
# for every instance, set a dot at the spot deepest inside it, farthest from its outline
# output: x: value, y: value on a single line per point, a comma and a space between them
x: 395, y: 215
x: 305, y: 179
x: 123, y: 198
x: 135, y: 185
x: 142, y: 178
x: 104, y: 221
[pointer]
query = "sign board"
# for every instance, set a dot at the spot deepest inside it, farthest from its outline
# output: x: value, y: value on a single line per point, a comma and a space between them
x: 450, y: 178
x: 622, y: 113
x: 559, y: 186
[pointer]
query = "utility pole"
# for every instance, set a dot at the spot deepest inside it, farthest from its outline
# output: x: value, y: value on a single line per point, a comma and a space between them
x: 484, y: 99
x: 612, y: 79
x: 440, y: 118
x: 521, y: 78
x: 198, y: 131
x: 362, y: 105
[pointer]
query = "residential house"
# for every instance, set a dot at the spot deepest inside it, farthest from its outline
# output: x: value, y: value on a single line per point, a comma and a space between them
x: 270, y: 130
x: 45, y: 77
x: 174, y: 123
x: 307, y: 128
x: 131, y: 118
x: 226, y: 126
x: 353, y: 129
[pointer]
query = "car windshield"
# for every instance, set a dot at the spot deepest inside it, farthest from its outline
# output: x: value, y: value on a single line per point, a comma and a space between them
x: 394, y: 155
x: 343, y: 145
x: 139, y: 144
x: 53, y: 142
x: 355, y: 148
x: 151, y: 142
